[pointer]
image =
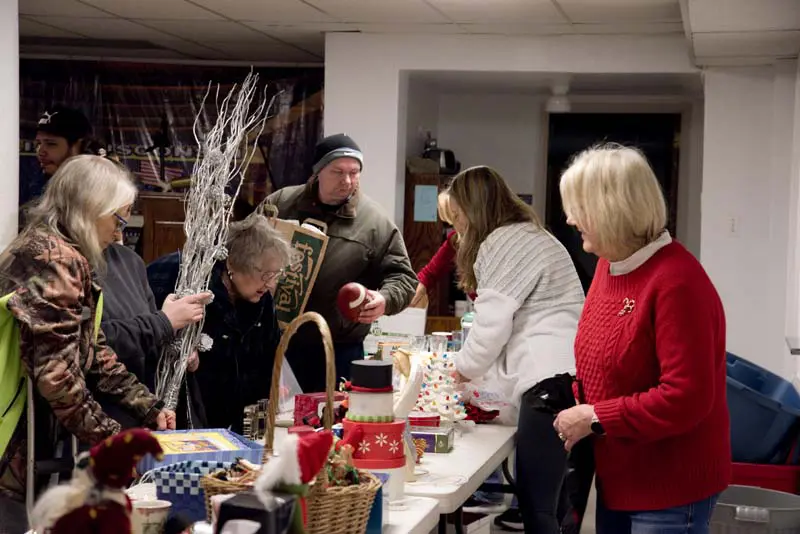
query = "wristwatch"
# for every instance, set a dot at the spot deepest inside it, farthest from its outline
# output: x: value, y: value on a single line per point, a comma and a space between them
x: 597, y: 426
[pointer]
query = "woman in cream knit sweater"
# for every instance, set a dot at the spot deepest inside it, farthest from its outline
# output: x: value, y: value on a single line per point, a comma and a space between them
x: 529, y: 299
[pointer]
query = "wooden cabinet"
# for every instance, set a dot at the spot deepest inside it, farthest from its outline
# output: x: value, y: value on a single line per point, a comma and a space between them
x: 162, y: 232
x: 423, y: 239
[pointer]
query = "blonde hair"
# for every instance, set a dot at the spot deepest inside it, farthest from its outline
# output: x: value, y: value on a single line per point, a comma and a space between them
x: 83, y: 189
x: 443, y: 208
x: 485, y: 200
x: 249, y: 240
x: 611, y: 191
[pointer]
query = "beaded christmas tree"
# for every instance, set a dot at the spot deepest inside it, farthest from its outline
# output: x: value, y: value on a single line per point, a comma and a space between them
x: 439, y: 395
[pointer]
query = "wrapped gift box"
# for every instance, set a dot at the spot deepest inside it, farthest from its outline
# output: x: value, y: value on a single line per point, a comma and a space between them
x: 274, y: 517
x: 308, y: 407
x: 212, y: 445
x: 437, y: 439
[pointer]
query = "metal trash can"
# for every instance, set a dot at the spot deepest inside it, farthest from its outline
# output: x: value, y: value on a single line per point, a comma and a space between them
x: 750, y: 510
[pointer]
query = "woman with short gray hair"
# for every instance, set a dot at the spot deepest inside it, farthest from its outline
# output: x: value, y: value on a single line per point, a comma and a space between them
x: 241, y: 320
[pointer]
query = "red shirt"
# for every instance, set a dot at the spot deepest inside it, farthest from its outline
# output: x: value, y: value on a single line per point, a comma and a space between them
x: 655, y: 371
x: 441, y: 264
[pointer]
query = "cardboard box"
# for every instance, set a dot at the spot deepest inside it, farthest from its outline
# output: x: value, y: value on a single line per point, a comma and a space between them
x: 210, y: 445
x: 294, y: 289
x: 274, y: 518
x: 437, y: 439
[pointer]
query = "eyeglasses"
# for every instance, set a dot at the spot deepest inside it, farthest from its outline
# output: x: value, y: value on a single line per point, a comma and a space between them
x: 121, y: 222
x: 269, y: 276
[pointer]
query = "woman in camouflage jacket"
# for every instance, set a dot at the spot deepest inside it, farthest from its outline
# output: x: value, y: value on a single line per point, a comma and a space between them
x: 52, y: 268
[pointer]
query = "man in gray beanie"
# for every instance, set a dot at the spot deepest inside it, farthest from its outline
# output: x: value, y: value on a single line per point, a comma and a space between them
x: 364, y: 246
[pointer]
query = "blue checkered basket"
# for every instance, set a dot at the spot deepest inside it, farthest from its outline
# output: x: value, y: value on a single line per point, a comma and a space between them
x: 179, y: 483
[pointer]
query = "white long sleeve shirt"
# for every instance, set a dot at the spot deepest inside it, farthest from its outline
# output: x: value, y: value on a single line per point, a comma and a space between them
x: 526, y: 313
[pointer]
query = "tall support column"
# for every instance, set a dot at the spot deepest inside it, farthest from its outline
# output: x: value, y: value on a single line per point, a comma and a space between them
x: 9, y: 126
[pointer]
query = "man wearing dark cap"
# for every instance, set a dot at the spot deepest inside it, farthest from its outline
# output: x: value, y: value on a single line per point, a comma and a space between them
x: 60, y: 134
x: 364, y: 246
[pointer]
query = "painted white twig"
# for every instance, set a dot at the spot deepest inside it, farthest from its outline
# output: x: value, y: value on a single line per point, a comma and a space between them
x: 224, y: 157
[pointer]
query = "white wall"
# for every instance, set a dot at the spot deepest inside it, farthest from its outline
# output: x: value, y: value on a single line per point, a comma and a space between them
x: 364, y: 74
x: 422, y: 111
x: 503, y: 131
x: 793, y: 242
x: 9, y: 126
x: 748, y: 139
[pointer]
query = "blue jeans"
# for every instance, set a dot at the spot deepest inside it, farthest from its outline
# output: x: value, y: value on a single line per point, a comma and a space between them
x: 692, y: 518
x: 490, y: 497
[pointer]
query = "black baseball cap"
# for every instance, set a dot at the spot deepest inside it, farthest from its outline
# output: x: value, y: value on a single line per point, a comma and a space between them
x: 65, y: 122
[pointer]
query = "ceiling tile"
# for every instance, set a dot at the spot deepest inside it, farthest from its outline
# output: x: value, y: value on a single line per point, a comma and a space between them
x: 622, y: 10
x: 31, y: 28
x: 744, y: 15
x: 58, y: 8
x: 207, y: 30
x: 411, y: 28
x: 381, y: 11
x: 274, y: 12
x: 774, y: 44
x: 105, y: 52
x: 105, y: 29
x: 631, y: 28
x: 154, y: 9
x: 518, y: 29
x: 300, y: 29
x: 310, y: 37
x: 249, y: 51
x: 193, y: 50
x: 511, y: 11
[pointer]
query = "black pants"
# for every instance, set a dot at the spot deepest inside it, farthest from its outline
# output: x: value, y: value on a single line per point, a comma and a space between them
x: 541, y: 458
x: 13, y: 516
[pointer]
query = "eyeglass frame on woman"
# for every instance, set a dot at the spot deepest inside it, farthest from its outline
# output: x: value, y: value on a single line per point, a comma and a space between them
x: 269, y: 276
x: 122, y: 222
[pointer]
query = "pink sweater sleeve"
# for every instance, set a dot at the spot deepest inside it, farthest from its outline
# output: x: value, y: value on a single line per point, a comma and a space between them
x: 441, y: 263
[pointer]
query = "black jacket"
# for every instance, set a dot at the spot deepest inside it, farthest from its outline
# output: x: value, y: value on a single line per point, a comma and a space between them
x: 238, y: 369
x: 133, y: 325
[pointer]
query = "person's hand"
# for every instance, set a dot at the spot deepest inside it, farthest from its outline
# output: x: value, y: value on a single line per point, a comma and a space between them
x: 373, y: 309
x: 193, y: 362
x: 574, y: 424
x: 184, y: 311
x: 420, y: 299
x: 459, y: 378
x: 166, y: 420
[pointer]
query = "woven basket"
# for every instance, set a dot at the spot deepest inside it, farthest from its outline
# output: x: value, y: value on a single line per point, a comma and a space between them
x: 213, y: 486
x: 331, y: 510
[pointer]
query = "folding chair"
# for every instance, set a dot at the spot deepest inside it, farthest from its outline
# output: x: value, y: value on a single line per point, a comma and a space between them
x: 41, y: 468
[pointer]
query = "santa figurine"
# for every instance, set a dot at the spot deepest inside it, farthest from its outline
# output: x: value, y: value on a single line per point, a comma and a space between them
x: 300, y: 458
x: 94, y: 500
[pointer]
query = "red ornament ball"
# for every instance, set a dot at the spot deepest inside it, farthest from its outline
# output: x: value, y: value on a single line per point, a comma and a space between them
x: 351, y: 300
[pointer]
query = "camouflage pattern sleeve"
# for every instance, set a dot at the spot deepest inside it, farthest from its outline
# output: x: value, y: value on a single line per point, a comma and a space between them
x: 55, y: 329
x: 112, y: 378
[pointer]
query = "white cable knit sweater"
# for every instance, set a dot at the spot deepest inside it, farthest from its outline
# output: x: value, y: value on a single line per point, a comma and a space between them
x: 526, y: 313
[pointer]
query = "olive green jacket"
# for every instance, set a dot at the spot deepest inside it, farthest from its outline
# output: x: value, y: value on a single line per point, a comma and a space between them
x: 364, y: 246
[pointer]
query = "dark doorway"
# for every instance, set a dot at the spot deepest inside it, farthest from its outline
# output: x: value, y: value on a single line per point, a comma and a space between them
x: 655, y: 134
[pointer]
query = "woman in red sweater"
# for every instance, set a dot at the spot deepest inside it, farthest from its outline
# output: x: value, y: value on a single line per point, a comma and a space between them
x: 650, y: 355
